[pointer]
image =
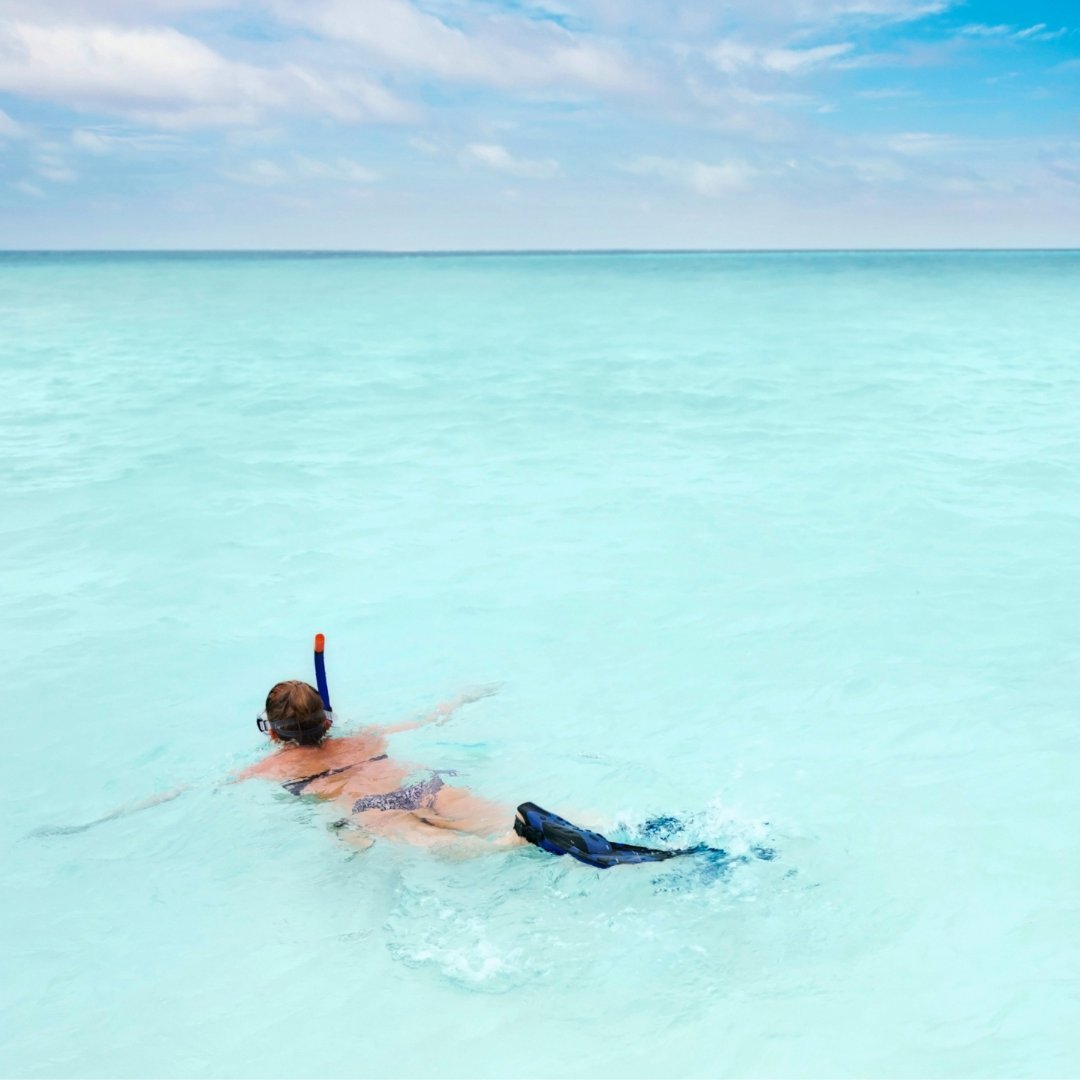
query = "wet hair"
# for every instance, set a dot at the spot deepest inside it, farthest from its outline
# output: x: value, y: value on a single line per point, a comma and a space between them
x: 295, y: 713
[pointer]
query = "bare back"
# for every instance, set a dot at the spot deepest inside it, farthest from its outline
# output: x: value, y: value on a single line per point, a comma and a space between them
x: 351, y: 768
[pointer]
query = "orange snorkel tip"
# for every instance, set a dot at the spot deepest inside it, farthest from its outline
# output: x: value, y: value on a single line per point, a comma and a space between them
x: 320, y: 671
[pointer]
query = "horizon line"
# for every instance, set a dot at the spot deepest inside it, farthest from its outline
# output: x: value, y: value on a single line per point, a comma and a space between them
x: 407, y: 252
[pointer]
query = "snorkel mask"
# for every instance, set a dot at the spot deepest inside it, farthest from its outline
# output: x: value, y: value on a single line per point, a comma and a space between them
x: 295, y: 729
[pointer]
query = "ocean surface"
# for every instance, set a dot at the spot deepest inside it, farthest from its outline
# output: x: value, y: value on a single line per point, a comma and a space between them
x: 785, y: 546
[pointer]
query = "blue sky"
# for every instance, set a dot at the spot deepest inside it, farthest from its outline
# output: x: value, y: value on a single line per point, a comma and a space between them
x: 444, y: 124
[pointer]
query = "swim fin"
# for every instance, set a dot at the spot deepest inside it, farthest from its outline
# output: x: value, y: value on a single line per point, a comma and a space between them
x: 558, y: 836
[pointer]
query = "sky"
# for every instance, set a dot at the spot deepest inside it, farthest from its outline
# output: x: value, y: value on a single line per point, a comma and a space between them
x: 539, y: 124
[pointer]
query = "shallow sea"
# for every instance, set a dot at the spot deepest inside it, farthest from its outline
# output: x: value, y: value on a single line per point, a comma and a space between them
x: 784, y: 545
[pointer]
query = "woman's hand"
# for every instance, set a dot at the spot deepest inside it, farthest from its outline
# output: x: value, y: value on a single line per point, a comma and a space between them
x: 473, y: 693
x: 356, y: 839
x: 441, y: 713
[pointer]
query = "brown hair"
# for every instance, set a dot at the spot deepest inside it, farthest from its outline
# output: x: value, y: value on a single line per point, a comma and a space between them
x: 295, y: 713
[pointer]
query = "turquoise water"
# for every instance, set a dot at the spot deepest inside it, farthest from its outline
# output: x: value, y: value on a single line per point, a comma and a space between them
x: 783, y: 544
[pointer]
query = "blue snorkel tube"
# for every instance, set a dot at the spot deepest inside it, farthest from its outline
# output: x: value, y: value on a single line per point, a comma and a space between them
x: 320, y: 671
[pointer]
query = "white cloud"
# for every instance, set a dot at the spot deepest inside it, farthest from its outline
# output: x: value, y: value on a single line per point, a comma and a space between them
x: 168, y: 79
x: 887, y: 93
x: 693, y: 20
x: 504, y: 52
x: 425, y: 146
x: 137, y: 11
x: 947, y: 164
x: 50, y: 163
x: 1038, y: 32
x: 498, y: 157
x: 266, y: 173
x: 711, y: 181
x: 1068, y: 171
x: 731, y: 56
x: 983, y: 30
x: 875, y: 170
x: 259, y: 171
x: 797, y: 60
x: 60, y: 174
x: 101, y: 142
x: 884, y: 10
x: 340, y: 169
x: 151, y: 72
x: 91, y: 142
x: 911, y: 143
x: 28, y: 188
x: 736, y: 110
x: 10, y: 129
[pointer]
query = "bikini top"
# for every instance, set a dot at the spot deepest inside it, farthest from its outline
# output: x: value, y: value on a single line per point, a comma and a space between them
x: 296, y: 787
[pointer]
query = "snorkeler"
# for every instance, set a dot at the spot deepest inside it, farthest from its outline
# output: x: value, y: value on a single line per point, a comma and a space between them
x: 381, y: 797
x: 384, y: 798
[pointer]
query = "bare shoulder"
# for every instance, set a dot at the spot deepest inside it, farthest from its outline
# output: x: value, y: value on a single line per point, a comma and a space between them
x: 260, y: 768
x: 367, y: 742
x: 294, y: 761
x: 276, y: 765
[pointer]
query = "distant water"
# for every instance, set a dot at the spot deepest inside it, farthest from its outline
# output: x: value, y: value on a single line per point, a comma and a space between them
x: 786, y: 546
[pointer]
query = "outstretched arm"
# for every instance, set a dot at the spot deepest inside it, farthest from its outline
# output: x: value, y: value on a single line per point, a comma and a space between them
x: 122, y: 811
x: 442, y: 712
x: 136, y: 807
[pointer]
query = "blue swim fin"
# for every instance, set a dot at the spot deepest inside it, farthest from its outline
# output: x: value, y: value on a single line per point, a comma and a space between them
x: 558, y: 836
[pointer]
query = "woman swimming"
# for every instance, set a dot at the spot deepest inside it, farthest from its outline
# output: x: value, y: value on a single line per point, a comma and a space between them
x: 386, y: 798
x: 382, y: 797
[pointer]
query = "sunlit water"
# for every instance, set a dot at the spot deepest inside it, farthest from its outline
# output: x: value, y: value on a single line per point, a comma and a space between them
x: 787, y: 546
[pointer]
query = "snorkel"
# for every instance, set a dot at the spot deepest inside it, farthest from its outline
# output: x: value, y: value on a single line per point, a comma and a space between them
x: 320, y: 672
x: 297, y: 718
